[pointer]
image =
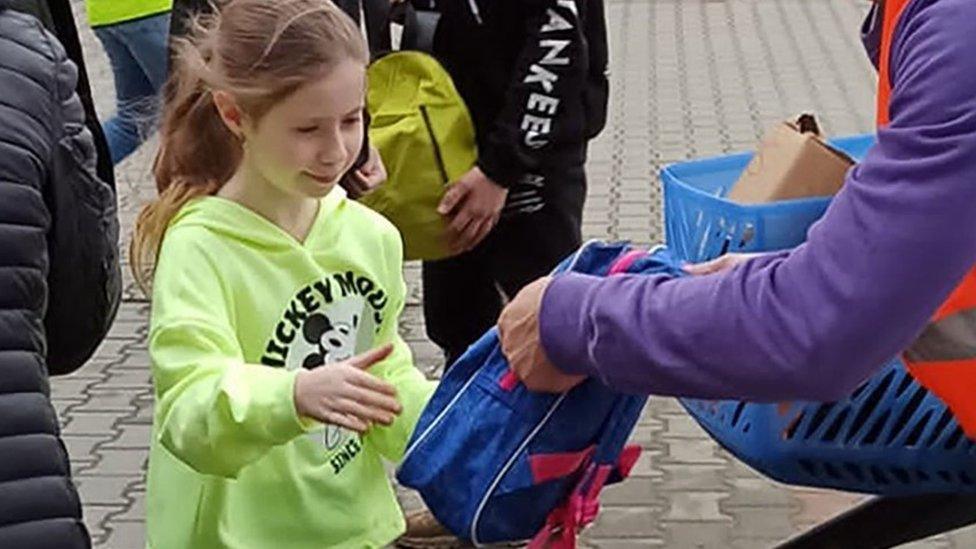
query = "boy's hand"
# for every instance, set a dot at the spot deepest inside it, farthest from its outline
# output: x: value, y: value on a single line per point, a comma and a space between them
x: 472, y: 205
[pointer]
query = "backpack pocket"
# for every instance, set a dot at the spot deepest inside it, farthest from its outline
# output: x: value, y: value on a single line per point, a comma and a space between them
x: 453, y: 460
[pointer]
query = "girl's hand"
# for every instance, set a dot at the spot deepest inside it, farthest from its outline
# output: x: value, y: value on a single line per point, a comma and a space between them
x: 344, y: 394
x: 370, y: 175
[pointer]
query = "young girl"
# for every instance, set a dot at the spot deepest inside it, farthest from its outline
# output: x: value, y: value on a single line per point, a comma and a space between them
x: 280, y: 379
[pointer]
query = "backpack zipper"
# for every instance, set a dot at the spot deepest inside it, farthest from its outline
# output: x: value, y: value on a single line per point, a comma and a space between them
x: 438, y: 157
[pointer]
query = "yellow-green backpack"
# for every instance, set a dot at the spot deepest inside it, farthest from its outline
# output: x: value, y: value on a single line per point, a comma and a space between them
x: 425, y: 135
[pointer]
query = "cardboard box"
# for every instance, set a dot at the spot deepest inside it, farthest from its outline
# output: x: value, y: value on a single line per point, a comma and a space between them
x: 793, y: 161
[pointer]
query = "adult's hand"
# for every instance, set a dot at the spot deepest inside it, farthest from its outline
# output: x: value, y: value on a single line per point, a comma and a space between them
x: 518, y: 328
x: 719, y: 264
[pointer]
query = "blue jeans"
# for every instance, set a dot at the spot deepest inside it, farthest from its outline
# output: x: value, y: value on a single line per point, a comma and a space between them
x: 138, y: 52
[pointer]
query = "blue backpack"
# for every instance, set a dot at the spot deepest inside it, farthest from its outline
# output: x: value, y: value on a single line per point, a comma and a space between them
x: 495, y: 462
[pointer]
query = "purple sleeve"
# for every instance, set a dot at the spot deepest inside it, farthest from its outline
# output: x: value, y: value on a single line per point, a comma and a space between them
x: 814, y: 322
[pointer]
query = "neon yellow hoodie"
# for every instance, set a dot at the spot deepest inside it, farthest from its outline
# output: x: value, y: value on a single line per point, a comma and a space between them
x: 238, y: 307
x: 110, y: 12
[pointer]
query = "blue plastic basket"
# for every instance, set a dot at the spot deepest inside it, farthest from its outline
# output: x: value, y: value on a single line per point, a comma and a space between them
x: 891, y: 436
x: 700, y: 225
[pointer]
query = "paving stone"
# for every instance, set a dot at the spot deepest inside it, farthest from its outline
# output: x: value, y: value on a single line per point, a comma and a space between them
x: 71, y: 388
x: 135, y: 436
x: 107, y: 400
x: 645, y: 434
x: 761, y: 522
x: 697, y: 535
x: 634, y: 491
x: 663, y: 406
x: 935, y: 542
x: 682, y: 426
x: 63, y: 407
x: 122, y: 462
x: 80, y: 447
x: 136, y: 510
x: 132, y: 313
x: 963, y: 538
x: 95, y: 515
x: 110, y: 347
x: 682, y: 477
x: 125, y: 535
x: 695, y: 506
x: 626, y: 522
x: 756, y: 492
x: 127, y: 380
x: 699, y: 451
x: 135, y: 358
x: 103, y: 490
x: 815, y: 506
x: 90, y: 423
x: 143, y: 415
x: 97, y: 368
x: 128, y: 331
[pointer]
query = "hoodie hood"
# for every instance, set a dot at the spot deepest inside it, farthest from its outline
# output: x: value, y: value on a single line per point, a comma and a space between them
x: 235, y: 221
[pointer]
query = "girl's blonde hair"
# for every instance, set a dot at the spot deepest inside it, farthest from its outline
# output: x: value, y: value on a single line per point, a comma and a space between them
x: 258, y: 50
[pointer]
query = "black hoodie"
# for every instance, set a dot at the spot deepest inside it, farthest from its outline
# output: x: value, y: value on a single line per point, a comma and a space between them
x: 534, y: 75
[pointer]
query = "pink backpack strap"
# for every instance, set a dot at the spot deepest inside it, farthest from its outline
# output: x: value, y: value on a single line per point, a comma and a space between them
x: 509, y: 381
x: 583, y: 504
x: 625, y: 261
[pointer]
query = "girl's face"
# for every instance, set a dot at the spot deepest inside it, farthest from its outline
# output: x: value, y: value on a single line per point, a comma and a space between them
x: 306, y: 142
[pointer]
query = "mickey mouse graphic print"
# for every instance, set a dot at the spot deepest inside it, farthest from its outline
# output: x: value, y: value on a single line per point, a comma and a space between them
x: 328, y: 321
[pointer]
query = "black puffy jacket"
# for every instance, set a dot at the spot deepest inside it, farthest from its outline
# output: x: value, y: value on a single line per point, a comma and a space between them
x: 59, y: 277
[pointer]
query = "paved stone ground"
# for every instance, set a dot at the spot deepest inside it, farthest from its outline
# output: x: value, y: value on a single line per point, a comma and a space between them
x: 690, y: 78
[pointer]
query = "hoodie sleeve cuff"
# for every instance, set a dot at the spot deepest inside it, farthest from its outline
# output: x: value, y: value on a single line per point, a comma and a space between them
x: 564, y: 326
x: 502, y: 173
x: 304, y: 424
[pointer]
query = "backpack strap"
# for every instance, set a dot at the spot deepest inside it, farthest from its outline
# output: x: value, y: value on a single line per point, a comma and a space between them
x: 583, y: 504
x: 625, y: 261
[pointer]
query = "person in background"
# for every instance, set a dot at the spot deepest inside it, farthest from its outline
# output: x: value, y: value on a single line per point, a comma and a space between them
x: 533, y: 73
x: 59, y: 277
x: 135, y: 35
x: 58, y: 18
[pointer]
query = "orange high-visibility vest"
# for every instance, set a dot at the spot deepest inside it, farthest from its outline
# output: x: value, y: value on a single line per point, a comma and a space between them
x: 943, y: 358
